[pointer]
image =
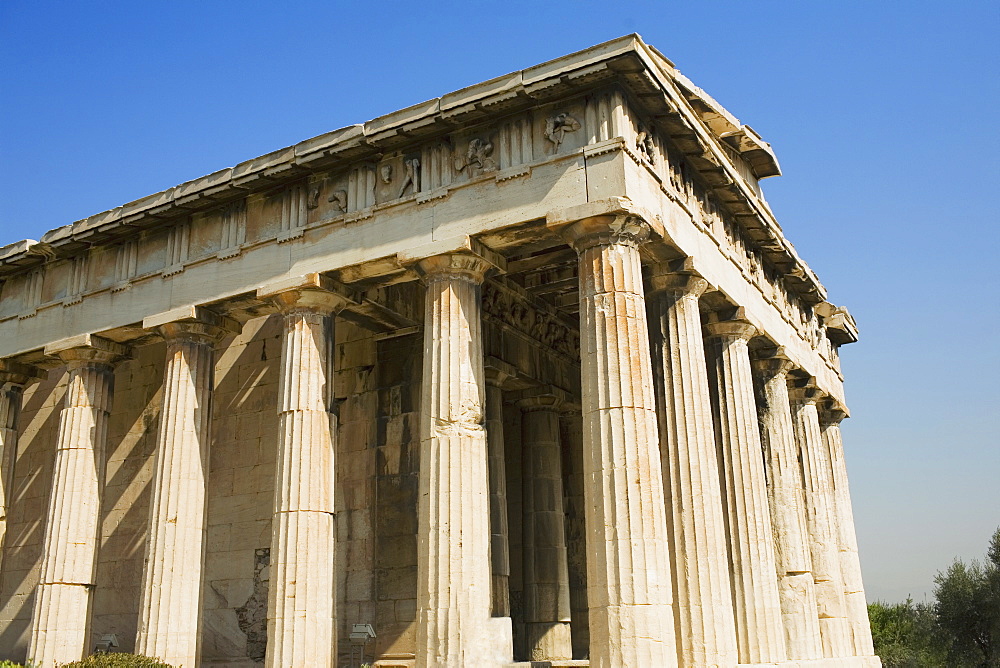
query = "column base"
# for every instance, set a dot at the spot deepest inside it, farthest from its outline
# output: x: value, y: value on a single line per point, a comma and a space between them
x: 841, y: 662
x: 501, y: 640
x: 846, y: 662
x: 549, y: 641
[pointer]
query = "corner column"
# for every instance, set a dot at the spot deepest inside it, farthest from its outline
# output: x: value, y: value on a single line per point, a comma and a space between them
x: 760, y: 638
x: 823, y: 544
x: 13, y: 378
x: 453, y: 559
x: 170, y: 607
x: 628, y: 559
x: 546, y: 572
x: 60, y: 626
x: 301, y: 605
x: 796, y: 588
x: 704, y: 606
x: 847, y: 542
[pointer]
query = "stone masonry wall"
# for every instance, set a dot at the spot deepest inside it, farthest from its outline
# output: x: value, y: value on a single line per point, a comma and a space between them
x: 398, y: 464
x: 241, y: 494
x: 355, y: 395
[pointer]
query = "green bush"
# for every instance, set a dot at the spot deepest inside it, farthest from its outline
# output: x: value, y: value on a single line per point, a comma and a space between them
x: 117, y: 661
x: 10, y: 664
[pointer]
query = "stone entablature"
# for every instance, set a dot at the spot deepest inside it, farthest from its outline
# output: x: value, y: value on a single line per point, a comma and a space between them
x: 559, y: 295
x: 164, y: 234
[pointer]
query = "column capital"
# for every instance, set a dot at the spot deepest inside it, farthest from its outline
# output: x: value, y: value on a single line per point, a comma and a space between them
x: 498, y: 372
x: 17, y: 373
x: 738, y: 329
x: 677, y: 277
x: 430, y: 260
x: 832, y: 412
x: 462, y: 265
x: 804, y: 391
x: 311, y: 292
x: 605, y: 230
x: 771, y: 362
x: 730, y: 323
x: 829, y: 416
x: 614, y: 220
x: 192, y: 322
x: 84, y: 348
x: 541, y: 398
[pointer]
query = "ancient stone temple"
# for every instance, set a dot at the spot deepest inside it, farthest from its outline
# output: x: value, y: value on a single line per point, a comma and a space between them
x: 527, y: 372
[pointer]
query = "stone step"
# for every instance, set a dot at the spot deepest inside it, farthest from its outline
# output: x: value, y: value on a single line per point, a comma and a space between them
x: 555, y: 663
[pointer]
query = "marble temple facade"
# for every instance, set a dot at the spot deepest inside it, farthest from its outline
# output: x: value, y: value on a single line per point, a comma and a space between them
x: 525, y: 373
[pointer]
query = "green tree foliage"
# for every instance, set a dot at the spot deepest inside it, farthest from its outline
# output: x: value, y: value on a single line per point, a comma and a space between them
x: 961, y: 629
x: 906, y: 635
x: 968, y: 609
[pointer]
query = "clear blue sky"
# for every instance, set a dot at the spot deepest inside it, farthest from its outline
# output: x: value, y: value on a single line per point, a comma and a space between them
x: 883, y: 115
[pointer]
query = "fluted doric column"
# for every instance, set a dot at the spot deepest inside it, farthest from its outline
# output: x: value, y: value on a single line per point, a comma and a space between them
x: 13, y: 378
x: 760, y: 638
x: 497, y: 372
x: 628, y: 562
x: 823, y: 543
x: 796, y: 588
x: 703, y: 603
x: 847, y: 542
x: 60, y: 627
x: 546, y: 574
x: 170, y: 607
x: 453, y: 561
x: 301, y: 606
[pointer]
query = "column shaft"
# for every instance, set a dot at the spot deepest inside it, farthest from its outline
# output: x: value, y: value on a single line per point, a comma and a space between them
x: 301, y: 596
x: 60, y: 628
x: 628, y: 567
x: 453, y: 566
x: 499, y: 545
x: 170, y: 608
x: 850, y: 564
x: 760, y: 638
x: 796, y: 588
x: 703, y: 605
x: 546, y: 574
x: 301, y: 603
x: 823, y: 543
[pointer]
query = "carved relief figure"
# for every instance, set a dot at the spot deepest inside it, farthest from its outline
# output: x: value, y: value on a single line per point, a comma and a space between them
x: 645, y: 145
x: 313, y: 200
x: 385, y: 173
x: 340, y: 198
x: 557, y: 126
x: 412, y: 177
x: 508, y: 307
x: 478, y: 156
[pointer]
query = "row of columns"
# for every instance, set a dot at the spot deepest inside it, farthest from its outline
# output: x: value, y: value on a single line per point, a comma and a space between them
x: 758, y: 566
x: 675, y: 506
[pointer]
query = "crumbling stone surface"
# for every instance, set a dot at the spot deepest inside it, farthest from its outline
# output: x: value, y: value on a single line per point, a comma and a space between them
x: 252, y: 615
